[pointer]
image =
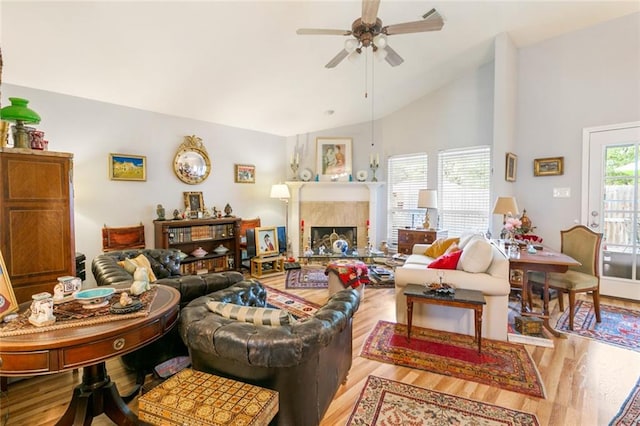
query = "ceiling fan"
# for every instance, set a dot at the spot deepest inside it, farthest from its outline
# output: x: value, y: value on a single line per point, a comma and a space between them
x: 368, y: 31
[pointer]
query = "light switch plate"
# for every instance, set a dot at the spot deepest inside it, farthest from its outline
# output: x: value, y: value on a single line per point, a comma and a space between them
x: 561, y: 192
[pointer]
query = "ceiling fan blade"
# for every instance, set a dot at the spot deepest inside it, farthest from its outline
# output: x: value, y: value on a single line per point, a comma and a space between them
x: 370, y: 11
x: 337, y: 59
x: 432, y: 22
x: 322, y: 31
x: 392, y: 57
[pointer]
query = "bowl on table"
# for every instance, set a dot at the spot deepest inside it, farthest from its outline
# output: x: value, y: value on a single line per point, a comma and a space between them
x: 93, y: 298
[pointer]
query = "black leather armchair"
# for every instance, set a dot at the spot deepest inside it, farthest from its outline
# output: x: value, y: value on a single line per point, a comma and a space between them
x: 166, y: 266
x: 305, y: 362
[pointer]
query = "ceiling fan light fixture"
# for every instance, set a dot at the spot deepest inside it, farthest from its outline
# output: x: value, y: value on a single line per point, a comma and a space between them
x: 380, y: 54
x: 380, y: 41
x: 350, y: 45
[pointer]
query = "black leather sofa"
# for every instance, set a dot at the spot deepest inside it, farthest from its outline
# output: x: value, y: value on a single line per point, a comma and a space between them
x: 166, y: 266
x: 305, y: 362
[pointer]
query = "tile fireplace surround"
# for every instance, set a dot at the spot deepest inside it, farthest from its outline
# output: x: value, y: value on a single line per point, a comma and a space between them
x: 335, y: 204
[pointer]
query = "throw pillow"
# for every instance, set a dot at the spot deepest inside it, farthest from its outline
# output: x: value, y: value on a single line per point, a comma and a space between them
x: 466, y: 238
x: 476, y: 256
x: 439, y: 246
x: 257, y: 316
x: 446, y: 261
x: 130, y: 266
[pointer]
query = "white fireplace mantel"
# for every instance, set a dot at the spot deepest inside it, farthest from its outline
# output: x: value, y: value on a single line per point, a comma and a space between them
x: 332, y: 192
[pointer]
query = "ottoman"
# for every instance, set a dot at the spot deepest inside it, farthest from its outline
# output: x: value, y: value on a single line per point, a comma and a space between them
x: 347, y: 273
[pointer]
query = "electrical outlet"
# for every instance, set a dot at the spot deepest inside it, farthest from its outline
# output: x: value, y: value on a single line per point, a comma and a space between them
x: 561, y: 192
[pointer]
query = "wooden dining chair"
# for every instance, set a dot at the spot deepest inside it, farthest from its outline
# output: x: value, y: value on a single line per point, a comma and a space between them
x: 582, y: 244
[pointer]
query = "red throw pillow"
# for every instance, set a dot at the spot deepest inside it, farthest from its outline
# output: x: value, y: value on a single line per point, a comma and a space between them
x: 446, y: 261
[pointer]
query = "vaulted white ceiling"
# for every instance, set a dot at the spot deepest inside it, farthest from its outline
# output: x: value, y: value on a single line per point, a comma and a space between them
x: 240, y: 63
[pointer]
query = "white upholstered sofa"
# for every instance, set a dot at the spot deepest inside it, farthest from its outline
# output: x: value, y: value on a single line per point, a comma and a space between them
x: 482, y: 266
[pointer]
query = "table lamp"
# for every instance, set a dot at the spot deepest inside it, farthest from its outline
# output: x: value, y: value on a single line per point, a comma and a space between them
x: 427, y: 199
x: 19, y: 113
x: 505, y: 206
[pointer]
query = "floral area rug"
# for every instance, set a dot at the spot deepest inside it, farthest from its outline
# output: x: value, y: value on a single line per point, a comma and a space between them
x: 387, y: 402
x: 619, y: 326
x: 629, y: 413
x: 501, y: 364
x: 296, y: 306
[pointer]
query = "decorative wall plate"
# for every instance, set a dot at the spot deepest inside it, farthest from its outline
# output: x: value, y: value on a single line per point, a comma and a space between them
x: 306, y: 175
x: 362, y: 175
x: 191, y: 163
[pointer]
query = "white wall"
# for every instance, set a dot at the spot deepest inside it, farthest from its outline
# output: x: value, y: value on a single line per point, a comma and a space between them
x: 586, y: 78
x: 91, y: 130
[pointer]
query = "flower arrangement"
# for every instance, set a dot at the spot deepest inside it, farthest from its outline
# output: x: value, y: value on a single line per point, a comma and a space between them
x: 513, y: 225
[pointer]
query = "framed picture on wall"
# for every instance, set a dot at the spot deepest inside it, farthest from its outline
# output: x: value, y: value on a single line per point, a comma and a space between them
x: 548, y: 166
x: 195, y: 203
x: 266, y: 241
x: 245, y: 173
x: 127, y: 167
x: 8, y: 302
x: 511, y: 167
x: 333, y: 159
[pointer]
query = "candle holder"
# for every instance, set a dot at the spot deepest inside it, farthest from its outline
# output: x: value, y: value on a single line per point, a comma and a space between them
x: 374, y: 166
x: 295, y: 165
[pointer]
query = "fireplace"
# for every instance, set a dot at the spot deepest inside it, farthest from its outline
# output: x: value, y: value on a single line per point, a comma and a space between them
x: 326, y: 235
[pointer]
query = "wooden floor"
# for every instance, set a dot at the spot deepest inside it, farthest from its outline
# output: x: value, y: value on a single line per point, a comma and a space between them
x: 586, y: 381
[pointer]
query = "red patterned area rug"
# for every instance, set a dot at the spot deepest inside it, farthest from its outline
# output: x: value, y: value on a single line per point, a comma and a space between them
x: 629, y: 414
x: 504, y: 365
x: 619, y: 326
x: 387, y: 402
x: 297, y: 306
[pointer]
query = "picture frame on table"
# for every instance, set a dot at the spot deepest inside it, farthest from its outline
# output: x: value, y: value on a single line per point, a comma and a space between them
x: 195, y: 203
x: 266, y: 241
x: 551, y: 166
x: 245, y: 173
x: 127, y: 167
x: 334, y: 158
x: 8, y: 302
x: 511, y: 167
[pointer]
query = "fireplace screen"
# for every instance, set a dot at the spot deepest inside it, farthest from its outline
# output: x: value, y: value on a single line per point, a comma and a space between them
x: 326, y: 235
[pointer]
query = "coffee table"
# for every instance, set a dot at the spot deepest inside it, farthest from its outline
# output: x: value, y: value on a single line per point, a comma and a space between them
x: 469, y: 299
x: 89, y: 347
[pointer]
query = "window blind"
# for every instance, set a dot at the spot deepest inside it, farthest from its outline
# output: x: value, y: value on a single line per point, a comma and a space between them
x: 407, y: 174
x: 464, y: 189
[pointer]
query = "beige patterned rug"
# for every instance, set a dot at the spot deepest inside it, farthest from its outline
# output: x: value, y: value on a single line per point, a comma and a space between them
x: 387, y: 402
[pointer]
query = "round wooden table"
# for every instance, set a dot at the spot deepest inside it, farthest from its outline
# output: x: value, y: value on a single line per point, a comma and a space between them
x: 89, y: 347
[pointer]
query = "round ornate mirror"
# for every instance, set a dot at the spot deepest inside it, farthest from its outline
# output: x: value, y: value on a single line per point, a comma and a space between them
x: 191, y: 163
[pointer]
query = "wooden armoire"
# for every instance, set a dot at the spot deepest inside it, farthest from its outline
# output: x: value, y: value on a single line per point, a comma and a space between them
x: 36, y: 219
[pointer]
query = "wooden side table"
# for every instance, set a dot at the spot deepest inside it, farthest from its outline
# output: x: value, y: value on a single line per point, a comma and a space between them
x: 261, y: 266
x: 407, y: 238
x: 469, y: 299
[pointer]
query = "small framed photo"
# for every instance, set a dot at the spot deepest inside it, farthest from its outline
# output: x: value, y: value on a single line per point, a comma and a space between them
x: 8, y: 302
x: 195, y: 203
x: 127, y: 167
x: 333, y: 159
x: 266, y: 241
x: 551, y: 166
x: 511, y: 167
x: 245, y: 173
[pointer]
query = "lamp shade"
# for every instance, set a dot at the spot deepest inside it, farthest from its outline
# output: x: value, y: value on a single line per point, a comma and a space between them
x: 18, y: 111
x: 505, y: 205
x: 428, y: 199
x: 280, y: 191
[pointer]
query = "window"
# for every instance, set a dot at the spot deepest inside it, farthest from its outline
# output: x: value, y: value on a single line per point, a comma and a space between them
x: 407, y: 175
x: 464, y: 189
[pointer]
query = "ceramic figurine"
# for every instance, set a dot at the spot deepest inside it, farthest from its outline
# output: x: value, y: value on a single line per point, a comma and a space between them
x: 42, y: 310
x: 216, y: 213
x: 58, y: 292
x: 141, y: 281
x: 227, y: 210
x: 125, y: 300
x: 176, y: 214
x: 160, y: 212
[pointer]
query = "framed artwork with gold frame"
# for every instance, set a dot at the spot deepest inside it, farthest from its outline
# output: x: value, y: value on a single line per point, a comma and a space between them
x: 245, y: 173
x: 511, y: 167
x: 127, y: 167
x: 8, y: 302
x: 551, y: 166
x: 194, y: 202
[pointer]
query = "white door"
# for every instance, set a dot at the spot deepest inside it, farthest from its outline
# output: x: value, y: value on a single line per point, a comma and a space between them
x: 611, y: 203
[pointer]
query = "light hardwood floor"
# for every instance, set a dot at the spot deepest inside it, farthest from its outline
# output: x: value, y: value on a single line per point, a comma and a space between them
x: 586, y: 381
